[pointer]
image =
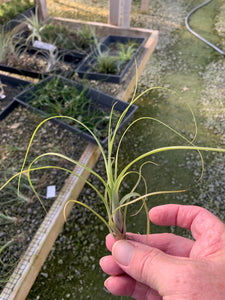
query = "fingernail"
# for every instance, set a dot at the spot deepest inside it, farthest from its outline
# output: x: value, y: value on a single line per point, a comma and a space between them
x: 123, y: 252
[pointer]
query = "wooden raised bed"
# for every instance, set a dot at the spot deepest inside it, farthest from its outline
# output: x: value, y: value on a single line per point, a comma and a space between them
x: 29, y: 266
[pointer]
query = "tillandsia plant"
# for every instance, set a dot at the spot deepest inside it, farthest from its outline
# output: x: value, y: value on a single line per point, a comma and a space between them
x: 10, y: 49
x: 111, y: 59
x: 7, y: 46
x: 116, y: 205
x: 34, y: 27
x: 5, y: 219
x: 53, y: 60
x: 5, y: 266
x: 103, y: 61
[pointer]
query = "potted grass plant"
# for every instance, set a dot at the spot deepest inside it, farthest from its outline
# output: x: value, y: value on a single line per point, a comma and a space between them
x: 111, y: 59
x: 57, y: 95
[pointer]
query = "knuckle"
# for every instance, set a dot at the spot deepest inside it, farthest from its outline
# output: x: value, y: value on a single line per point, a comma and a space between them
x: 148, y: 264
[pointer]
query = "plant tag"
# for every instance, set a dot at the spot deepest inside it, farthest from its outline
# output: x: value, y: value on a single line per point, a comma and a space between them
x: 44, y: 46
x: 50, y: 191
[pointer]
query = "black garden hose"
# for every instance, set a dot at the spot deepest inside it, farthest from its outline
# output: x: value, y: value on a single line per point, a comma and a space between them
x: 198, y: 35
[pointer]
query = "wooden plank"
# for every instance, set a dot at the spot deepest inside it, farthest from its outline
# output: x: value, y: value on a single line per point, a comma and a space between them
x: 42, y: 9
x: 114, y: 12
x: 144, y: 6
x: 126, y: 13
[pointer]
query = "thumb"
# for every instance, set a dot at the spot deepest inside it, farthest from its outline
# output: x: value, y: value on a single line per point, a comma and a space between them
x: 146, y: 264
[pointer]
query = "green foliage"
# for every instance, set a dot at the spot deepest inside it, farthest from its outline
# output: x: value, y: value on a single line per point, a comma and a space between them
x: 63, y: 37
x: 5, y: 219
x: 111, y: 59
x: 10, y: 49
x: 10, y: 9
x: 57, y: 98
x: 34, y: 27
x: 105, y: 63
x: 7, y: 45
x: 126, y: 52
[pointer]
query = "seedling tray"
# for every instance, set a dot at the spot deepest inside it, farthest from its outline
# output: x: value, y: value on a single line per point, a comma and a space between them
x: 34, y: 74
x: 102, y: 100
x: 22, y: 72
x: 84, y: 70
x: 12, y: 86
x: 69, y: 56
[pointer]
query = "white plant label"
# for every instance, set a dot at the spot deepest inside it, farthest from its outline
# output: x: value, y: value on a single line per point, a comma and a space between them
x: 44, y: 46
x: 51, y: 191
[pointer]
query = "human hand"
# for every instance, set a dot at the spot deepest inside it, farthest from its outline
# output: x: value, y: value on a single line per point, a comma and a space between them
x: 166, y: 266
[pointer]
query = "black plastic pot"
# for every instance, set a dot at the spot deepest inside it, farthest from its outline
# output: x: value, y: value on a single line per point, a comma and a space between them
x: 84, y: 69
x: 34, y: 74
x: 22, y: 72
x: 102, y: 100
x: 68, y: 56
x: 12, y: 87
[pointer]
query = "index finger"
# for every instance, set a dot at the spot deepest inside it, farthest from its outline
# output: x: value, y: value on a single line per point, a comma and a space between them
x: 194, y: 218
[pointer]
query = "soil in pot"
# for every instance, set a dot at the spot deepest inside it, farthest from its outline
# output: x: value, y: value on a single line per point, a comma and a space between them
x: 25, y: 209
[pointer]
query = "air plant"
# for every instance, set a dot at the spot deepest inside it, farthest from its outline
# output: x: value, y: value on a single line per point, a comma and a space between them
x: 104, y: 62
x: 6, y: 244
x: 110, y: 62
x: 125, y: 54
x: 52, y: 57
x: 11, y: 195
x: 116, y: 205
x: 10, y: 49
x: 34, y: 26
x: 7, y: 46
x: 5, y: 219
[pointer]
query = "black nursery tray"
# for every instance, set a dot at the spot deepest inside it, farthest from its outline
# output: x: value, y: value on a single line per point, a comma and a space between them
x: 101, y: 100
x: 84, y: 68
x: 68, y: 56
x: 40, y: 75
x: 22, y: 72
x: 12, y: 86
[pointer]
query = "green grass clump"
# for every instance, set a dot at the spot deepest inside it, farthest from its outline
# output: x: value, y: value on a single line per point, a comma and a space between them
x: 112, y: 59
x: 10, y: 9
x: 63, y: 37
x: 57, y: 98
